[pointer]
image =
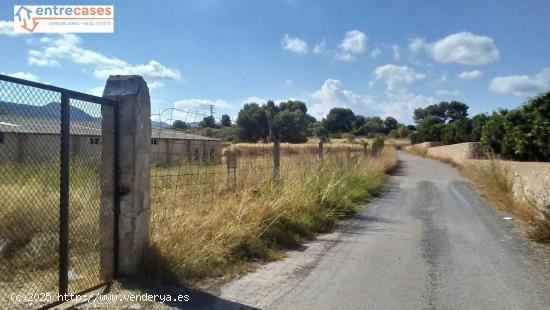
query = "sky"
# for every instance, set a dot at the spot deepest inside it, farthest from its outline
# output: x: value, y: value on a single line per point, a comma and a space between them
x: 382, y: 58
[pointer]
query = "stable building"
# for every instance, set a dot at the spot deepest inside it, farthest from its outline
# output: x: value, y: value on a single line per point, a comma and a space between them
x: 36, y: 139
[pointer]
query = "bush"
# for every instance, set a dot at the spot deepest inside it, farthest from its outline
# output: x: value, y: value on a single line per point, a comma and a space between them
x: 521, y: 134
x: 335, y: 135
x: 377, y: 144
x: 349, y: 137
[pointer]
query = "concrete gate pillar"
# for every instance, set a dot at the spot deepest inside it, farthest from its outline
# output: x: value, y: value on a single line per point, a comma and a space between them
x: 134, y: 163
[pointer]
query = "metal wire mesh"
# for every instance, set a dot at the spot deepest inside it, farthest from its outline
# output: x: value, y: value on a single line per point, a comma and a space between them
x: 30, y: 169
x: 193, y: 168
x: 91, y: 216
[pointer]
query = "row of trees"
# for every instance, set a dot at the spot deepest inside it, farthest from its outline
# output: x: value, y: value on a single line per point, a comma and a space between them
x: 521, y: 134
x: 292, y: 123
x: 207, y: 122
x: 340, y: 120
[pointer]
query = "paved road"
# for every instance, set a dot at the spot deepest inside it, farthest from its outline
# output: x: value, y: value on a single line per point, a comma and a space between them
x: 428, y: 243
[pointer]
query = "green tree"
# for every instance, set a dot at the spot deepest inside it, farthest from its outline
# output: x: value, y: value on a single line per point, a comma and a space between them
x: 434, y: 110
x: 430, y: 129
x: 179, y: 125
x: 455, y: 111
x: 208, y: 122
x: 456, y: 132
x: 292, y: 122
x: 339, y: 120
x: 291, y: 126
x: 226, y: 121
x: 390, y: 124
x: 528, y: 129
x: 478, y: 122
x: 357, y: 124
x: 492, y: 136
x: 252, y: 123
x: 373, y: 125
x: 321, y: 132
x: 400, y: 132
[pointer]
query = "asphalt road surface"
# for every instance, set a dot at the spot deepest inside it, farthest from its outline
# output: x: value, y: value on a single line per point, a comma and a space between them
x: 429, y: 242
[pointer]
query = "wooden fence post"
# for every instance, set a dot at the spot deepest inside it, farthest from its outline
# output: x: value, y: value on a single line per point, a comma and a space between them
x: 321, y: 151
x: 276, y: 161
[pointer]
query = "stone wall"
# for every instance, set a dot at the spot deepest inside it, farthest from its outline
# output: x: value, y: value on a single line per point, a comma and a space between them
x: 530, y: 180
x: 424, y: 145
x: 456, y: 152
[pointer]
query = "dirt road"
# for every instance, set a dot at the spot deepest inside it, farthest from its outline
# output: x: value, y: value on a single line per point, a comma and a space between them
x: 429, y: 242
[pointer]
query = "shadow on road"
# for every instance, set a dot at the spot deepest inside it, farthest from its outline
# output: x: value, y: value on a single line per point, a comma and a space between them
x: 197, y: 299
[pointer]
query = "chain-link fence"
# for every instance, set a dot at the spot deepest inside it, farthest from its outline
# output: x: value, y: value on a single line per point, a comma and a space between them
x: 57, y: 156
x: 195, y: 167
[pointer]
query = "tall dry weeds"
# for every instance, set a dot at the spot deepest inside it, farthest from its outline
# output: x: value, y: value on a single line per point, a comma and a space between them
x: 217, y: 233
x: 495, y: 181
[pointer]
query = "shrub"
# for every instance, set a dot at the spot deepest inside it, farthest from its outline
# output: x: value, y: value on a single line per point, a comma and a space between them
x: 377, y: 144
x: 349, y: 137
x: 521, y: 134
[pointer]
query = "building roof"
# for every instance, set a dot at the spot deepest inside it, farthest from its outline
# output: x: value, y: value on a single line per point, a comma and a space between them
x: 45, y: 125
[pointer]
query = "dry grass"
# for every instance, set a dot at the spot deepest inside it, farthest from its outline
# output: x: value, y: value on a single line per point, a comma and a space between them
x: 288, y: 148
x: 418, y: 150
x: 215, y: 234
x: 495, y: 182
x: 29, y: 226
x: 398, y: 143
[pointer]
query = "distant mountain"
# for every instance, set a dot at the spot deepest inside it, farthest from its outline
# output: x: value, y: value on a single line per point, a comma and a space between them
x: 156, y: 124
x: 53, y: 110
x: 50, y: 110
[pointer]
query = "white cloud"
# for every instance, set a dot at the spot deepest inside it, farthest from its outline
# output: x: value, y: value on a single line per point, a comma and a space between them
x: 97, y: 91
x: 289, y: 81
x: 320, y: 48
x: 470, y: 75
x: 253, y: 99
x: 376, y: 52
x: 23, y: 75
x: 6, y: 28
x: 396, y: 104
x: 395, y: 77
x: 69, y: 47
x: 153, y: 70
x: 445, y: 92
x: 354, y: 43
x: 331, y: 95
x: 401, y: 105
x: 396, y: 50
x: 42, y: 62
x: 155, y: 84
x: 201, y: 104
x: 464, y: 48
x: 295, y: 45
x: 522, y: 85
x: 417, y: 44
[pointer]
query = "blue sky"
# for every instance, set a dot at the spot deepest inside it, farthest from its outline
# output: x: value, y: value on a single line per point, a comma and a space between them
x: 376, y: 57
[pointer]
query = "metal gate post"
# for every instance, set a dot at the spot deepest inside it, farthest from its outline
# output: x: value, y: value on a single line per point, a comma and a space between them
x: 64, y: 196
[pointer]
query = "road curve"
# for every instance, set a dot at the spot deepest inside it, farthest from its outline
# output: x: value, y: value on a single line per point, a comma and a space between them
x: 429, y: 242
